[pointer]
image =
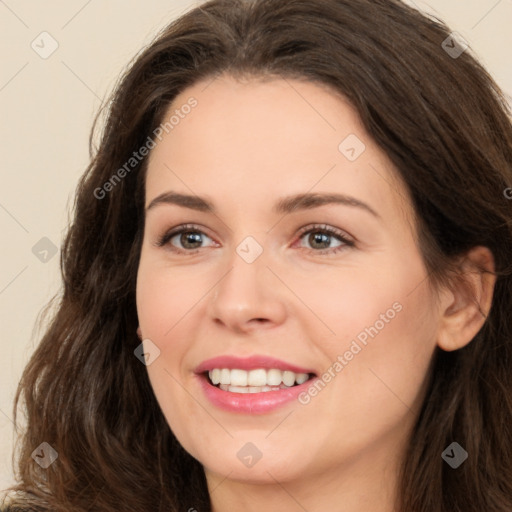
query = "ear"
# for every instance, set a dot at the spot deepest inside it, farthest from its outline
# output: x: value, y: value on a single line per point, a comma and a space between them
x: 465, y: 306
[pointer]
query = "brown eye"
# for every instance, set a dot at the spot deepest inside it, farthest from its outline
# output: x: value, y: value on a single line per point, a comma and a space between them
x: 183, y: 239
x: 190, y: 239
x: 320, y: 238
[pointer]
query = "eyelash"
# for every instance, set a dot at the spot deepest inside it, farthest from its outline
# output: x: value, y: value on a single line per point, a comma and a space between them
x: 317, y: 228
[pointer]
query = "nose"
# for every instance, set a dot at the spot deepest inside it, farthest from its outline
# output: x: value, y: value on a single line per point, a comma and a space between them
x: 248, y: 297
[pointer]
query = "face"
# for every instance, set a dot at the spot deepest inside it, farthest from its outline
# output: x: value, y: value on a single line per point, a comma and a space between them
x: 262, y: 287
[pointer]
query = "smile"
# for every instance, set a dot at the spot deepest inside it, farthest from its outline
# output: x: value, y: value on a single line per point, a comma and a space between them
x: 260, y: 380
x: 254, y: 385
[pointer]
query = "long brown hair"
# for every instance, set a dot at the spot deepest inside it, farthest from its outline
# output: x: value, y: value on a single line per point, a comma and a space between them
x: 446, y: 126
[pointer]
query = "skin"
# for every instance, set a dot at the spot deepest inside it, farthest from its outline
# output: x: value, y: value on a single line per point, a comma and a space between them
x: 244, y: 146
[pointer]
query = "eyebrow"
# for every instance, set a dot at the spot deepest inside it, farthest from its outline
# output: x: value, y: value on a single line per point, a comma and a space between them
x: 284, y: 205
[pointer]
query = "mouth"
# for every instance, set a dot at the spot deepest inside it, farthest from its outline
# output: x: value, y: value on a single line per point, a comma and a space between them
x: 259, y: 380
x: 253, y: 385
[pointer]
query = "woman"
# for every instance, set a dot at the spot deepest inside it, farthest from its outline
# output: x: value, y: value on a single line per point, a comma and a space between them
x: 287, y: 283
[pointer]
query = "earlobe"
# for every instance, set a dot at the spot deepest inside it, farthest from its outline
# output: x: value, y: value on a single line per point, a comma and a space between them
x: 464, y: 314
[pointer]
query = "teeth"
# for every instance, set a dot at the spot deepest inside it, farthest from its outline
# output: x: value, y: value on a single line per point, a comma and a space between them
x: 225, y: 376
x: 259, y: 379
x: 288, y: 378
x: 251, y: 389
x: 300, y: 378
x: 274, y: 377
x: 256, y: 377
x: 215, y: 376
x: 239, y: 378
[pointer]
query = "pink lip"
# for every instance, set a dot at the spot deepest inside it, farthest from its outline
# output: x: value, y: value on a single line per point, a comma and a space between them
x: 249, y: 363
x: 249, y: 403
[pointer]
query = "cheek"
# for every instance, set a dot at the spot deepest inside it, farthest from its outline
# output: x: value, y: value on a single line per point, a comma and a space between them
x: 382, y: 323
x: 345, y: 302
x: 386, y: 344
x: 384, y: 290
x: 164, y: 296
x: 164, y: 301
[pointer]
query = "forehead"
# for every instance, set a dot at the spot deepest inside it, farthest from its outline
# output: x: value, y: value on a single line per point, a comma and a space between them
x: 253, y: 140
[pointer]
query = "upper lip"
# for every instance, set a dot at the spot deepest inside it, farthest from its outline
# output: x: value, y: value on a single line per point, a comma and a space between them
x: 249, y: 363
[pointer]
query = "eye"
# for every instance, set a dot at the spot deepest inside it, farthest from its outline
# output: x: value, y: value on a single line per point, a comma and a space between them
x: 189, y: 237
x: 320, y: 237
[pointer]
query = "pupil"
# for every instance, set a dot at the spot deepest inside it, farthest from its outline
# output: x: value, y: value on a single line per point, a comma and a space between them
x: 190, y: 237
x: 319, y: 238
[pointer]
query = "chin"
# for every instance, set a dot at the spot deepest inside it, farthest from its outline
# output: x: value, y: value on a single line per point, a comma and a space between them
x: 252, y: 465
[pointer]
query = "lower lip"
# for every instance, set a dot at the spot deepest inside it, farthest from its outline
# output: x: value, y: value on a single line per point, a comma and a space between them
x: 251, y: 403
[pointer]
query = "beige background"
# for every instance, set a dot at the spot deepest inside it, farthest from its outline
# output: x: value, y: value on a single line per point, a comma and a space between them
x: 47, y: 108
